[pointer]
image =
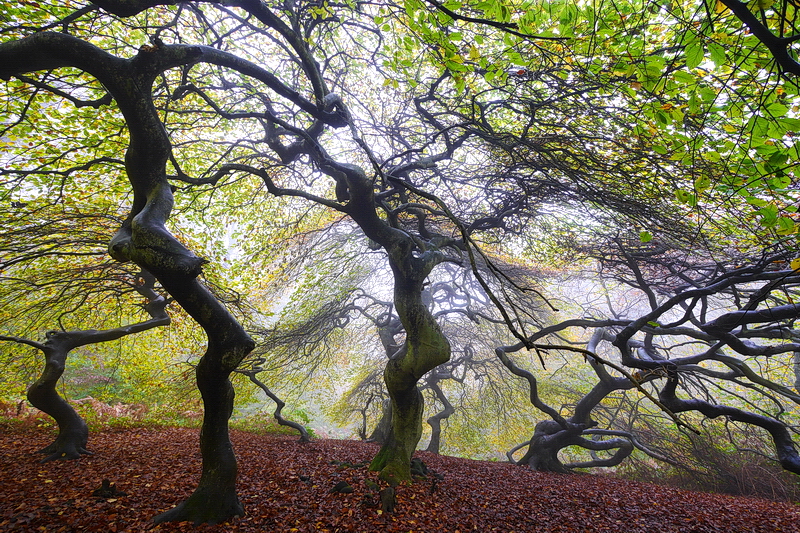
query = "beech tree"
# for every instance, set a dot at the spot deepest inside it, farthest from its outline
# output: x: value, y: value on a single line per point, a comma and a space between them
x: 309, y: 326
x: 73, y: 433
x: 712, y: 338
x: 144, y: 239
x: 59, y: 286
x: 456, y: 318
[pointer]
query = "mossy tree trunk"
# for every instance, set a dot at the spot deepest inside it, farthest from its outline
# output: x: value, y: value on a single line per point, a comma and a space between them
x: 215, y: 499
x: 425, y: 346
x: 425, y: 349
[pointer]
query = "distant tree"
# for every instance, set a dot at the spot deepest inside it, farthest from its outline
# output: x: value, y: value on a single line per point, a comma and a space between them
x: 73, y: 433
x: 712, y: 338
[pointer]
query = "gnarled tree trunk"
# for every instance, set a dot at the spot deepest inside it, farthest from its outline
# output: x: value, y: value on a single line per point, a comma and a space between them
x: 425, y: 348
x: 73, y: 433
x: 548, y: 439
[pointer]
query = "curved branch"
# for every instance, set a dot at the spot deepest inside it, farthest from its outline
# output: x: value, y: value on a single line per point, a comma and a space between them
x: 778, y: 46
x: 624, y: 448
x: 784, y: 445
x: 279, y: 404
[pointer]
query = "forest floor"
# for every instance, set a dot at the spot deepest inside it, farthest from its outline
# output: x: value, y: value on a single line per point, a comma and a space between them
x: 157, y: 468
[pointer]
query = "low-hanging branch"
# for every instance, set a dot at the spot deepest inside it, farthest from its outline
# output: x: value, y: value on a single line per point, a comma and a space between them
x: 252, y: 374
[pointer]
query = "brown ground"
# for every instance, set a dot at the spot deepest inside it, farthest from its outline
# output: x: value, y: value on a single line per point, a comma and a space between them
x: 157, y: 468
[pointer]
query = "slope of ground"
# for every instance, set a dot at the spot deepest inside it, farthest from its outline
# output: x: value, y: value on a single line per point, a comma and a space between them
x: 285, y: 487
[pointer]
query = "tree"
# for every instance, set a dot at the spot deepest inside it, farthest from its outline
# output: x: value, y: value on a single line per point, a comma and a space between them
x: 314, y: 333
x: 73, y: 433
x: 145, y: 240
x: 704, y: 337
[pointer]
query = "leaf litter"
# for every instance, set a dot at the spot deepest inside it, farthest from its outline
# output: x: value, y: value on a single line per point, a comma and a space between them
x: 287, y: 486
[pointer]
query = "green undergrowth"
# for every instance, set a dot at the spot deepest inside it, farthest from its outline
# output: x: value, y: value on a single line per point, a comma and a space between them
x: 100, y: 416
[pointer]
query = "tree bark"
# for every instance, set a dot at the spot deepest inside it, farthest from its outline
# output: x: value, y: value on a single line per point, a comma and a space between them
x: 425, y: 346
x: 548, y: 439
x: 73, y: 433
x: 145, y: 240
x: 785, y: 447
x: 215, y: 499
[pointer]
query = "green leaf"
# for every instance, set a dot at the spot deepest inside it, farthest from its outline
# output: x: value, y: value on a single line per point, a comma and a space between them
x: 694, y: 54
x: 785, y: 226
x: 684, y: 77
x: 769, y: 215
x: 702, y: 183
x: 717, y: 54
x: 655, y: 66
x: 456, y: 67
x: 790, y: 124
x: 777, y: 110
x: 684, y: 197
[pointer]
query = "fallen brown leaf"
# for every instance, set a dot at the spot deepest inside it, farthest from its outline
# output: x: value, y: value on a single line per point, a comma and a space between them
x: 157, y: 468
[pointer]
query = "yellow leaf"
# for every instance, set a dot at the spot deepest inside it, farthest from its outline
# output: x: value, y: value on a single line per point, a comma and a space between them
x: 795, y: 264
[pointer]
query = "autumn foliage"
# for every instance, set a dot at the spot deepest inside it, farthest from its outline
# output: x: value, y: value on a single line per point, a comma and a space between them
x: 286, y: 487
